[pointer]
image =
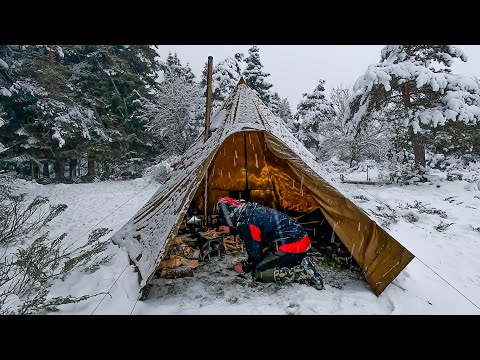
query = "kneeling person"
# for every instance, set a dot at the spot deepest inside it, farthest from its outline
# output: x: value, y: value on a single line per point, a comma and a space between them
x: 276, y: 244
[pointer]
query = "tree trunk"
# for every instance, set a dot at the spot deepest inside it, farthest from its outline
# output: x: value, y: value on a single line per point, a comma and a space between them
x: 60, y: 170
x: 72, y: 167
x: 418, y: 147
x: 91, y: 167
x: 106, y: 169
x: 51, y: 57
x: 34, y: 169
x: 417, y: 141
x: 46, y: 171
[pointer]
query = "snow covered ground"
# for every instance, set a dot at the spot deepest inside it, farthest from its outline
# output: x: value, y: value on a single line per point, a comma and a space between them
x: 444, y: 278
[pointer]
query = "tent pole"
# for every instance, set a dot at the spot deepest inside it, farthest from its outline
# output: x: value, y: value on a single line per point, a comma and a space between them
x: 209, y: 98
x: 205, y: 138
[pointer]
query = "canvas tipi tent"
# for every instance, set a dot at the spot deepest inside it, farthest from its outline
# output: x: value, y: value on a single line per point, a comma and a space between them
x: 251, y: 151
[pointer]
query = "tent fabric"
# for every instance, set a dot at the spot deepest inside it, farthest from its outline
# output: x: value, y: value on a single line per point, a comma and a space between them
x: 251, y: 151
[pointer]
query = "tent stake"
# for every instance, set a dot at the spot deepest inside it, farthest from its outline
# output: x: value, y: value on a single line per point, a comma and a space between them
x: 207, y: 129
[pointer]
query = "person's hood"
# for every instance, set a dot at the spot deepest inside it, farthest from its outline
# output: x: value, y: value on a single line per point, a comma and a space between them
x: 228, y: 210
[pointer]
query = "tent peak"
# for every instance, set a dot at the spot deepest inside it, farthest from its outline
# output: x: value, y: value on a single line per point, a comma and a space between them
x: 241, y: 81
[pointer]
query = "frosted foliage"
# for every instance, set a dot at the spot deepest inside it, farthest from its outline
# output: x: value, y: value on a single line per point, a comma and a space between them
x: 5, y: 92
x: 456, y: 97
x: 28, y: 87
x: 172, y: 67
x: 255, y: 77
x: 57, y: 136
x: 225, y: 77
x: 314, y: 116
x: 149, y: 230
x: 425, y: 54
x: 274, y: 103
x: 70, y: 121
x: 78, y: 120
x: 3, y: 64
x: 170, y: 118
x: 60, y: 52
x: 284, y: 111
x: 21, y: 131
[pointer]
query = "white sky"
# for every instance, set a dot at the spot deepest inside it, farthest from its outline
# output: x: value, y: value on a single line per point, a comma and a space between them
x: 296, y: 69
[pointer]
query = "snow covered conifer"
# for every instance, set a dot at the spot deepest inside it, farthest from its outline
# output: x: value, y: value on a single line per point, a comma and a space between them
x: 274, y: 103
x: 281, y: 108
x: 173, y: 67
x: 314, y: 112
x: 284, y: 110
x: 255, y: 77
x: 417, y: 79
x: 225, y: 77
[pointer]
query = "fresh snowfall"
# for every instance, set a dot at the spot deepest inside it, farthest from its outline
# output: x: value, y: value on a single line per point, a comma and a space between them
x: 444, y: 277
x: 89, y: 133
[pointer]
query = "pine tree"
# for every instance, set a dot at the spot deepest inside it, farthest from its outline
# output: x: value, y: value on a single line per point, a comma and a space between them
x: 314, y: 112
x: 73, y: 102
x: 285, y: 113
x: 225, y: 77
x: 203, y: 78
x: 255, y: 77
x: 417, y: 80
x: 281, y: 108
x: 173, y: 67
x: 274, y: 103
x: 284, y: 110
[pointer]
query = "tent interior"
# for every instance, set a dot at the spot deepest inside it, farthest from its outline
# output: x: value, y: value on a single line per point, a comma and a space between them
x: 245, y: 168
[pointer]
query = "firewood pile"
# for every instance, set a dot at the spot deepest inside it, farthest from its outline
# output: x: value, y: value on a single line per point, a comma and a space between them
x: 212, y: 233
x: 233, y: 243
x: 179, y: 260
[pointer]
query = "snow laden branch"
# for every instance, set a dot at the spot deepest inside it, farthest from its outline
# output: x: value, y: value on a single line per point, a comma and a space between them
x: 416, y: 81
x: 436, y: 95
x: 225, y: 77
x: 174, y: 116
x: 314, y: 116
x: 28, y: 271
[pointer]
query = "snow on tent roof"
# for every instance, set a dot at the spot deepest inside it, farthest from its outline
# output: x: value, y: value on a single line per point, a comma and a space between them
x: 277, y: 170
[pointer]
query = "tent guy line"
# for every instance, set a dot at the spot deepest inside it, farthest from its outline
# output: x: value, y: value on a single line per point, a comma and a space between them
x: 118, y: 248
x: 131, y: 312
x: 108, y: 292
x: 416, y: 256
x: 98, y: 223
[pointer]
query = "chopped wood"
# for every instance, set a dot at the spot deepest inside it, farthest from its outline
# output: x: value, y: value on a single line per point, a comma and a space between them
x: 211, y: 233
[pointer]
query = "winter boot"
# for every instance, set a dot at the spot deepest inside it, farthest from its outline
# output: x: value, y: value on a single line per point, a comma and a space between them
x: 316, y: 279
x: 266, y: 276
x: 294, y: 274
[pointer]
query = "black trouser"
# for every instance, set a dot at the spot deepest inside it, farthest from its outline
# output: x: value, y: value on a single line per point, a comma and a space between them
x: 264, y: 270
